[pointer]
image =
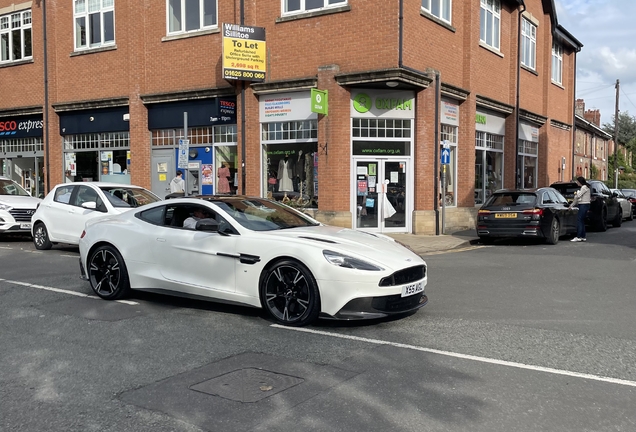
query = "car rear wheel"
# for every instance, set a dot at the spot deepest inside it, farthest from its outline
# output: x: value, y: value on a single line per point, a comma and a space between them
x: 618, y: 220
x: 631, y: 215
x: 107, y: 273
x: 555, y: 232
x: 290, y: 294
x: 41, y: 237
x: 601, y: 224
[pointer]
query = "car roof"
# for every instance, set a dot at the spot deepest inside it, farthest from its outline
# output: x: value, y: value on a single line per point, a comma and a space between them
x: 100, y: 184
x: 529, y: 190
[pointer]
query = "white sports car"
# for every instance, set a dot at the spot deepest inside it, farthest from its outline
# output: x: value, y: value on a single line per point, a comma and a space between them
x: 254, y: 252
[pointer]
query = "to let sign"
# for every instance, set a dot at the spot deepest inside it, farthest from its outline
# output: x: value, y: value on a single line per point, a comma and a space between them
x: 244, y: 53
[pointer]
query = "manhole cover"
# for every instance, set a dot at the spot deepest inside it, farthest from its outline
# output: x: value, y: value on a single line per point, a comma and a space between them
x: 247, y: 385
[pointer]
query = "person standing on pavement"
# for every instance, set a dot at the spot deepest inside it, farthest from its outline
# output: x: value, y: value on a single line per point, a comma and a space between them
x: 582, y: 201
x: 177, y: 184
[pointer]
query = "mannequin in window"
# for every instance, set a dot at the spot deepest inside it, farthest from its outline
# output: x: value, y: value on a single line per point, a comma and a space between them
x: 285, y: 174
x: 299, y: 172
x: 223, y: 174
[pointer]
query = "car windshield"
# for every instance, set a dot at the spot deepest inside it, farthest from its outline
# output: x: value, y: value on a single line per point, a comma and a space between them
x: 259, y: 214
x: 123, y: 196
x: 9, y: 187
x: 630, y: 193
x: 511, y: 199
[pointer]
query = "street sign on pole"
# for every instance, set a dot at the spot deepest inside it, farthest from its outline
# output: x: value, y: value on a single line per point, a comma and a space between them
x: 445, y: 156
x: 184, y: 148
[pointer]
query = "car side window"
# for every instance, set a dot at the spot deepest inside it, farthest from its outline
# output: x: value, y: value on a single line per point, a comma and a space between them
x: 153, y: 216
x: 63, y: 194
x: 559, y: 198
x: 546, y: 198
x: 86, y: 194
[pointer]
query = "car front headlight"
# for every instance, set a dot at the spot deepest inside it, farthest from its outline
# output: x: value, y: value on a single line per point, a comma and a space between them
x: 346, y: 261
x: 4, y: 206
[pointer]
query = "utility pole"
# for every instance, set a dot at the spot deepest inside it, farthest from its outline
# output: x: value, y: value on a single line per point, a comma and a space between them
x: 618, y: 86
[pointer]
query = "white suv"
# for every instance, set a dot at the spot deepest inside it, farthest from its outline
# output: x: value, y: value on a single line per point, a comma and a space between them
x: 16, y: 207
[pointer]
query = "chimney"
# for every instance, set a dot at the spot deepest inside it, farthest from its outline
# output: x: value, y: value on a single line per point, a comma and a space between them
x: 593, y: 116
x: 579, y: 107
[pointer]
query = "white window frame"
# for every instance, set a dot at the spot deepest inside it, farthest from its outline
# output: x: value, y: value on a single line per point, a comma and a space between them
x: 490, y: 9
x: 557, y: 63
x: 302, y: 8
x: 442, y: 9
x: 8, y: 26
x: 105, y: 6
x: 182, y: 18
x: 528, y: 44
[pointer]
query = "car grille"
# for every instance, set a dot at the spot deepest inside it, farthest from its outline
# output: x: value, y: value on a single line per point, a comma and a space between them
x: 405, y: 276
x: 396, y: 303
x: 22, y: 215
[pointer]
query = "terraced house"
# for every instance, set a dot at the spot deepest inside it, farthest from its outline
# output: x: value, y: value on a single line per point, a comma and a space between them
x: 424, y: 106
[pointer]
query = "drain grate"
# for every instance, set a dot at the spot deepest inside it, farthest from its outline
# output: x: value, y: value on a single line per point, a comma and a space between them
x: 247, y: 385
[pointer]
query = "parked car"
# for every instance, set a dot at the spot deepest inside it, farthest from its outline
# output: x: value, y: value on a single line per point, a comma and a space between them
x: 61, y: 216
x: 626, y: 205
x: 604, y: 206
x: 255, y: 252
x: 16, y: 207
x: 630, y: 194
x: 540, y: 213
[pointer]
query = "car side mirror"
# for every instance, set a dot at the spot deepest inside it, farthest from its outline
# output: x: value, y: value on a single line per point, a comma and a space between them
x: 91, y: 205
x: 614, y: 194
x: 208, y: 225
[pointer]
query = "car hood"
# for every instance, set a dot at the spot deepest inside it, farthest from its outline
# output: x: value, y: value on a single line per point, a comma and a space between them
x: 23, y: 202
x: 376, y: 247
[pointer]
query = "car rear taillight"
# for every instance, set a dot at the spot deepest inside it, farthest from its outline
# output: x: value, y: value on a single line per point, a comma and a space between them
x: 484, y: 212
x: 83, y: 234
x: 536, y: 211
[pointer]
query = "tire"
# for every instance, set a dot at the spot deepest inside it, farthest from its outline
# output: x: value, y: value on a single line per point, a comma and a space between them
x: 41, y: 237
x: 618, y: 220
x: 631, y: 214
x: 555, y: 232
x: 107, y: 273
x: 289, y: 293
x: 601, y: 224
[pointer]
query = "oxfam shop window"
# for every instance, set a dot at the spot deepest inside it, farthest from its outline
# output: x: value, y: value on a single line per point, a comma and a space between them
x: 96, y: 145
x: 289, y: 138
x: 449, y: 119
x: 489, y: 154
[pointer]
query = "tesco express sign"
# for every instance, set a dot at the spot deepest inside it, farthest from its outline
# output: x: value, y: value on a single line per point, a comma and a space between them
x: 10, y: 127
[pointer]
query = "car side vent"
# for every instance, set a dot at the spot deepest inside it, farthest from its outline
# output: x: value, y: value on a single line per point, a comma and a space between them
x: 405, y: 276
x: 318, y: 239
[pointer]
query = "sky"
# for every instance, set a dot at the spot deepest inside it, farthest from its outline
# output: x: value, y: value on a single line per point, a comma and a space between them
x: 608, y: 34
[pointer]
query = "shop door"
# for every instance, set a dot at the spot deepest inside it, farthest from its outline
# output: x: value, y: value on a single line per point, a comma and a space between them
x: 381, y: 193
x: 163, y: 171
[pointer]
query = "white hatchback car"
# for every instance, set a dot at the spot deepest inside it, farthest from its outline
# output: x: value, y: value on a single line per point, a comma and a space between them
x: 16, y: 207
x: 61, y: 216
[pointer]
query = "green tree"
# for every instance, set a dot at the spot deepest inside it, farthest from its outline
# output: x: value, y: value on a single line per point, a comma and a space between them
x: 626, y: 129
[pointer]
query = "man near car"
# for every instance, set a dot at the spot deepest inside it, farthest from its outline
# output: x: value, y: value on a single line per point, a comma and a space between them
x: 582, y: 201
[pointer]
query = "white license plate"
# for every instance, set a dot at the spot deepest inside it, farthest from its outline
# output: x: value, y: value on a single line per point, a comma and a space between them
x: 415, y: 288
x: 25, y: 226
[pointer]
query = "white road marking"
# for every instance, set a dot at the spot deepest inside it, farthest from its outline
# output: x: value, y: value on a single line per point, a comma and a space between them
x: 467, y: 357
x: 63, y: 291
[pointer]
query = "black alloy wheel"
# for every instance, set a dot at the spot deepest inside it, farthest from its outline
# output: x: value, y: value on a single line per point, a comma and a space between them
x: 41, y: 237
x: 618, y: 220
x: 601, y: 224
x: 555, y: 232
x: 107, y: 273
x: 290, y: 294
x: 631, y: 214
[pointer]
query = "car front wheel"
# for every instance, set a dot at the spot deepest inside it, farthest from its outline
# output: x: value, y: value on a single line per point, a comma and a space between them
x: 555, y: 232
x: 290, y: 293
x: 107, y: 273
x: 601, y: 225
x: 618, y: 220
x: 41, y: 237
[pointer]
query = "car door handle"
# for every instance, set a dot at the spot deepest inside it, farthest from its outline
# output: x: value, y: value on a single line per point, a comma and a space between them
x: 159, y: 239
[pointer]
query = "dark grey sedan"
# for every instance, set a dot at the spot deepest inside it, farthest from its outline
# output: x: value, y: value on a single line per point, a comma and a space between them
x: 539, y: 213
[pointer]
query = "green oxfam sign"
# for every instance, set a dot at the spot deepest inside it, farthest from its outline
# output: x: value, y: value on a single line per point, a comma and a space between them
x: 362, y: 103
x: 319, y: 101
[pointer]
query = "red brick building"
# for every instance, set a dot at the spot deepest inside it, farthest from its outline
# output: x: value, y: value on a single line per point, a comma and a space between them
x: 409, y: 82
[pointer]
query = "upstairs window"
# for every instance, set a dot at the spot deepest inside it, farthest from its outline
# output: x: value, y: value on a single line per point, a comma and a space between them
x: 15, y: 37
x: 528, y: 44
x: 557, y: 63
x: 439, y: 8
x: 297, y: 6
x: 94, y: 23
x: 186, y: 16
x: 489, y: 19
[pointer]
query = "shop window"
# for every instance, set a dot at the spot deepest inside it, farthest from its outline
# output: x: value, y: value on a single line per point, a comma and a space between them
x: 100, y: 156
x: 528, y: 44
x: 15, y: 37
x: 447, y: 188
x: 490, y: 17
x: 191, y: 15
x: 94, y: 23
x: 439, y: 8
x: 488, y: 165
x: 381, y: 128
x: 297, y: 6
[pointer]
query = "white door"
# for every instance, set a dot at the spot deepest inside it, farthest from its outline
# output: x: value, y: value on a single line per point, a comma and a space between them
x: 381, y: 191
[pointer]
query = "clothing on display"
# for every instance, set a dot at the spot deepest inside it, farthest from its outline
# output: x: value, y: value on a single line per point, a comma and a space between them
x: 223, y: 185
x: 285, y: 175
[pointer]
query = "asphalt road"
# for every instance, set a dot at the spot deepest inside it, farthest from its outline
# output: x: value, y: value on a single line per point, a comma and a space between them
x: 516, y: 337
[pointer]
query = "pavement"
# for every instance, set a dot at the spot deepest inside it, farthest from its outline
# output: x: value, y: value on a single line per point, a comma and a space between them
x: 427, y: 244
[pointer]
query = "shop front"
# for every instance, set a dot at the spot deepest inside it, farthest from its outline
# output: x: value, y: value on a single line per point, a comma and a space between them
x: 489, y: 154
x: 22, y: 151
x: 528, y: 155
x: 382, y: 130
x: 213, y: 165
x: 96, y: 145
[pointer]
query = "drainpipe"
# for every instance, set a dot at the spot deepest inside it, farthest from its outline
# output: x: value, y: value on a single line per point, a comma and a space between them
x: 243, y: 176
x: 46, y: 102
x: 438, y: 95
x: 400, y: 32
x: 572, y: 168
x: 517, y: 173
